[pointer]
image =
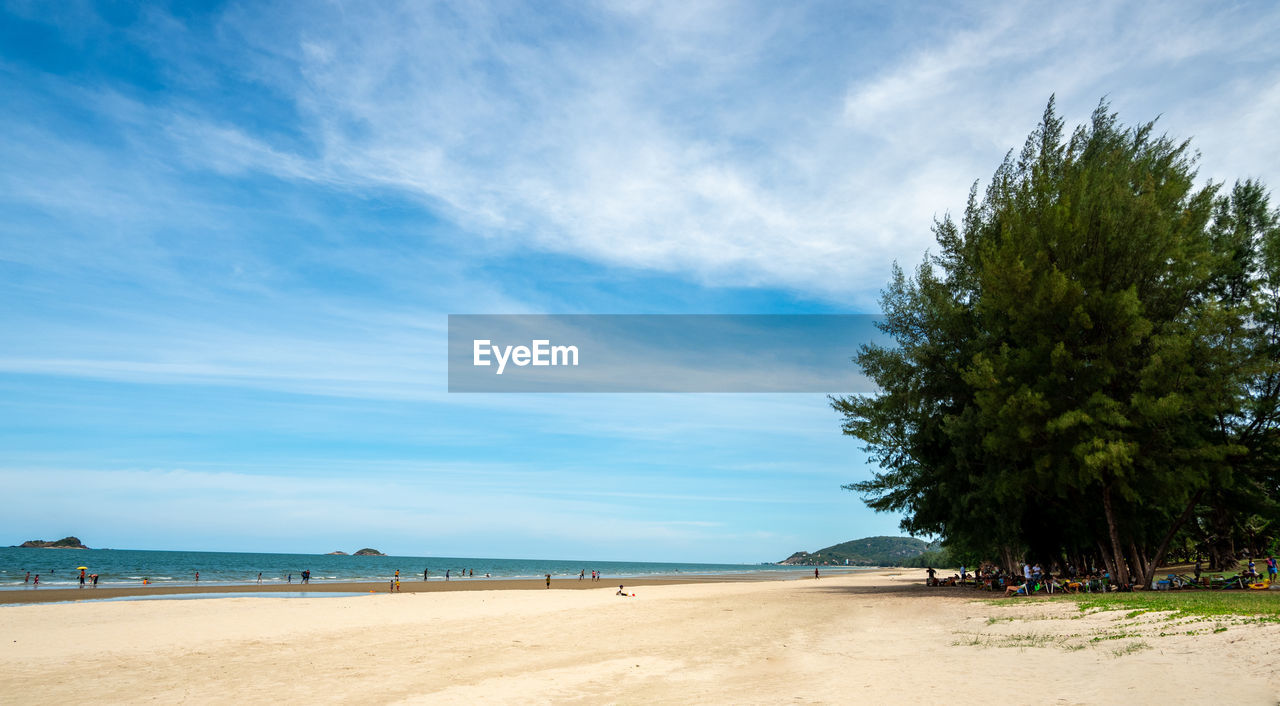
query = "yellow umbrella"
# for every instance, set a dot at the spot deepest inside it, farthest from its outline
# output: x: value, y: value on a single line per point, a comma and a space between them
x: 82, y: 568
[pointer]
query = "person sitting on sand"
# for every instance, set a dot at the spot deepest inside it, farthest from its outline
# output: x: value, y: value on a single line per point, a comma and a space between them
x: 931, y: 581
x: 621, y: 591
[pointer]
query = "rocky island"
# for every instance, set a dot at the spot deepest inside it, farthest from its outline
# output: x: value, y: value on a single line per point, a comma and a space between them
x: 64, y: 543
x: 368, y: 552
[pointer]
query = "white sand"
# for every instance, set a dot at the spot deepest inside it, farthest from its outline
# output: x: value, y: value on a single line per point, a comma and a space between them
x: 835, y: 640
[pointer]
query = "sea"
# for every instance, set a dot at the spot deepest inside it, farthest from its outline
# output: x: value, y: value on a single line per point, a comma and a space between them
x: 129, y: 567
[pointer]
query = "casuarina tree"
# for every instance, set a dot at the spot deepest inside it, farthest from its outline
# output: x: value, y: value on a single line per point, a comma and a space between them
x: 1088, y: 359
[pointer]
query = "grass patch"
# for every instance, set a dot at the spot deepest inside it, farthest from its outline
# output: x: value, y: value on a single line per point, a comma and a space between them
x: 1260, y: 606
x: 1130, y: 648
x: 1026, y: 639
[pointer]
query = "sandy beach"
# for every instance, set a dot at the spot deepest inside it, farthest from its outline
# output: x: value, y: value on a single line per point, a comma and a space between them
x: 880, y: 636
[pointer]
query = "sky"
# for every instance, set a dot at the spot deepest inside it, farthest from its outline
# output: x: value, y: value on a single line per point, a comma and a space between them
x: 231, y: 234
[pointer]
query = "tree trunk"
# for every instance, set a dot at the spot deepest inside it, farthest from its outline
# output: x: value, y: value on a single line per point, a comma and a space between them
x: 1122, y: 572
x: 1149, y: 574
x: 1107, y: 562
x: 1006, y: 555
x: 1137, y: 568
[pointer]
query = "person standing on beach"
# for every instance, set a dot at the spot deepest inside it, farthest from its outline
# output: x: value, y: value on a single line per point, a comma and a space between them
x: 446, y: 574
x: 95, y: 580
x: 197, y: 577
x: 548, y: 580
x: 424, y: 574
x: 815, y: 572
x: 259, y: 577
x: 27, y: 578
x: 81, y: 578
x: 582, y: 574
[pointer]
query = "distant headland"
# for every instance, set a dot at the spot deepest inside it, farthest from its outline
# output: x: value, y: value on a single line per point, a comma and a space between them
x: 362, y: 552
x: 64, y: 543
x: 869, y: 551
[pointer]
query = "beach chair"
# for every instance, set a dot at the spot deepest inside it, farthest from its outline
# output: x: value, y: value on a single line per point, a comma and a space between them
x: 1185, y: 581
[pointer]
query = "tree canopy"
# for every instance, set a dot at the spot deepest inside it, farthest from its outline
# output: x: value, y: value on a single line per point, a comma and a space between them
x: 1087, y: 368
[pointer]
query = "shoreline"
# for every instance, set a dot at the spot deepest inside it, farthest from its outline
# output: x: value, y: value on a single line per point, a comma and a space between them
x: 20, y: 596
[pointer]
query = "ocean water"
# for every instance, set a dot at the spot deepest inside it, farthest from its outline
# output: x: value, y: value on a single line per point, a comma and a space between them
x: 128, y: 567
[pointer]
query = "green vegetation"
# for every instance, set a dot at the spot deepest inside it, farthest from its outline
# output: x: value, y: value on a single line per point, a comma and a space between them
x: 1088, y: 370
x: 1121, y: 624
x: 868, y: 551
x: 1263, y: 605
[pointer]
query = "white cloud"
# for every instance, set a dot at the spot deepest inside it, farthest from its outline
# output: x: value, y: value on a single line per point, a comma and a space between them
x: 644, y: 139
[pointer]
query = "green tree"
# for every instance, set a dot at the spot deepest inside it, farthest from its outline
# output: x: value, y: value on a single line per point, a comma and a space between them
x: 1078, y: 365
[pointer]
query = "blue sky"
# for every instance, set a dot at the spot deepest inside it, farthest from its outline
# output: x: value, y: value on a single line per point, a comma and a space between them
x: 231, y: 234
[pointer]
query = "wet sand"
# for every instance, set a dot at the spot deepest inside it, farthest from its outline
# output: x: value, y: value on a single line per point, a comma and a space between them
x: 407, y: 585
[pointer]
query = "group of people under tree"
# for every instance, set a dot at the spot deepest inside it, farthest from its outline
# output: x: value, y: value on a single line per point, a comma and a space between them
x: 1068, y: 578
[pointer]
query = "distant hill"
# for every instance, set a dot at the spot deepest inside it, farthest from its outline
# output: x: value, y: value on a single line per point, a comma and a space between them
x: 64, y: 543
x: 368, y: 552
x: 868, y: 551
